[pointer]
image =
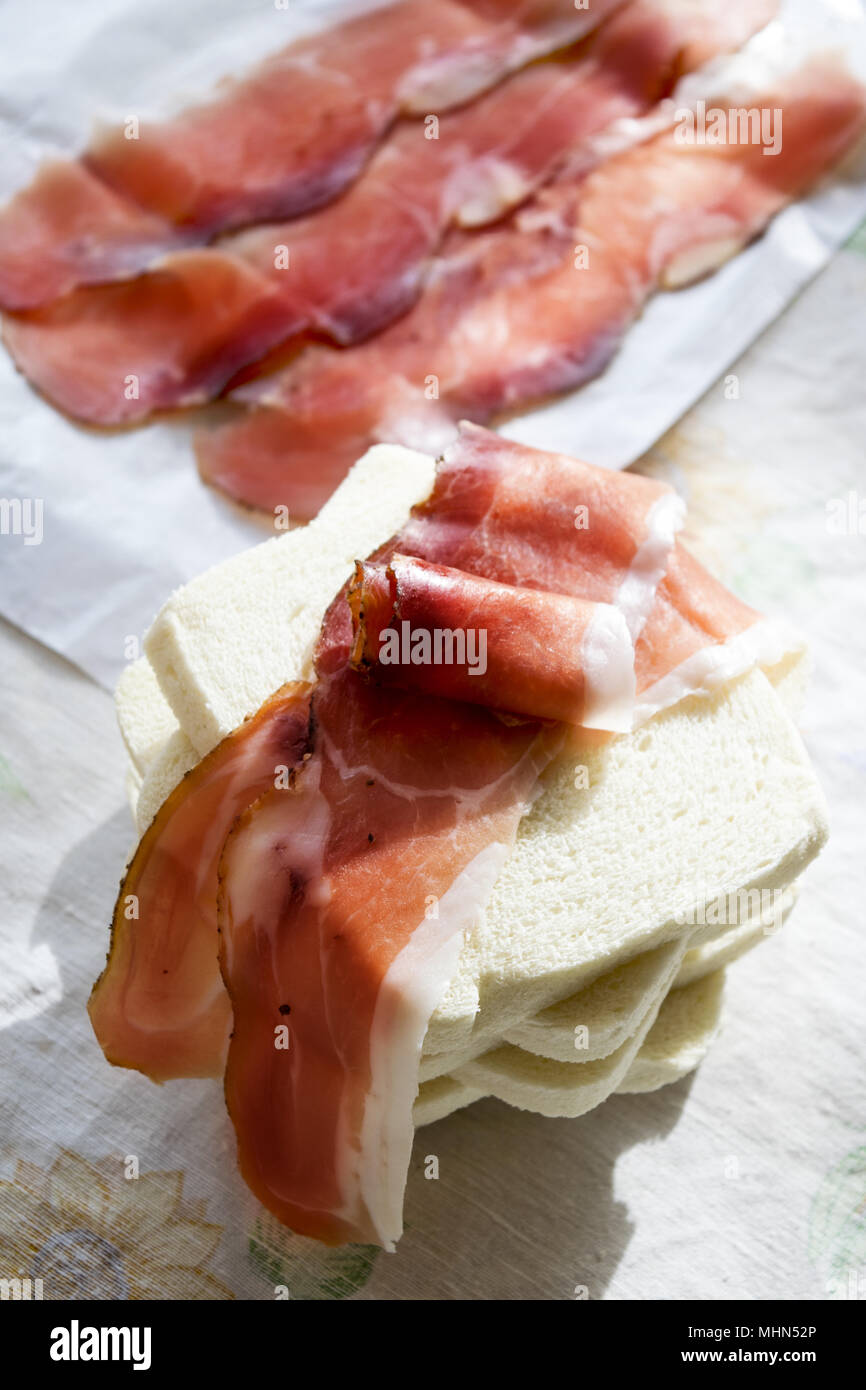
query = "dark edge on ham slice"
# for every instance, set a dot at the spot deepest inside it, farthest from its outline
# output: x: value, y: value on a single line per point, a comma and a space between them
x: 163, y: 939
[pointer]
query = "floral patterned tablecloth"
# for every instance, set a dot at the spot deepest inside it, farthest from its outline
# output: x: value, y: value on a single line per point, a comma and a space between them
x: 747, y: 1180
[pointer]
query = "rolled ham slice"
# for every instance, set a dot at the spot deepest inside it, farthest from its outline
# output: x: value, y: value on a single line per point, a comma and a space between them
x: 444, y: 632
x: 539, y: 520
x: 535, y: 519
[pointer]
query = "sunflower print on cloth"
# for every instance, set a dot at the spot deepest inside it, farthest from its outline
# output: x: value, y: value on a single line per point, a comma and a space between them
x: 89, y: 1232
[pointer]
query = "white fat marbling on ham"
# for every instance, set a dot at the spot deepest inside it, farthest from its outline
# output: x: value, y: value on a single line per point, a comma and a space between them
x: 607, y: 656
x: 408, y: 996
x: 764, y: 643
x: 636, y: 593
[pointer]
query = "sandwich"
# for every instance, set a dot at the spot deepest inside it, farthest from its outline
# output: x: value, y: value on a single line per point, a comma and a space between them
x: 370, y: 892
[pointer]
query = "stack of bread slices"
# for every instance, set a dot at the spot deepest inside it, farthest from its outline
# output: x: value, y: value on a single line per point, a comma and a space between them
x: 646, y: 866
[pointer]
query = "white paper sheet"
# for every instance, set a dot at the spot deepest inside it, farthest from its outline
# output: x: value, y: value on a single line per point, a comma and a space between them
x: 125, y: 515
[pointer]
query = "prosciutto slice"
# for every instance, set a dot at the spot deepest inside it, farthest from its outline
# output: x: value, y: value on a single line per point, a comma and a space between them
x: 159, y: 1005
x: 286, y: 138
x: 543, y: 655
x: 525, y: 517
x: 341, y: 912
x: 511, y: 316
x: 535, y: 520
x: 184, y: 330
x: 538, y: 520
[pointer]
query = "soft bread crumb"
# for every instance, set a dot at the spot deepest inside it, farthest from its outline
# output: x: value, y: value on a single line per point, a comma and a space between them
x: 681, y: 1037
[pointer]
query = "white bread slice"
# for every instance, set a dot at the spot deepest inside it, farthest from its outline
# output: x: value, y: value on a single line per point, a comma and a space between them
x: 225, y: 641
x: 565, y: 1089
x: 146, y: 719
x: 681, y: 1037
x: 588, y: 1025
x: 670, y: 1040
x: 598, y: 1019
x: 442, y: 1097
x: 718, y: 795
x: 729, y: 945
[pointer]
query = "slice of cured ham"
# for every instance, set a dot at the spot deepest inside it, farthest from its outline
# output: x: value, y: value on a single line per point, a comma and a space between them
x: 540, y: 521
x: 511, y: 316
x: 113, y: 354
x: 184, y: 330
x: 284, y: 139
x: 526, y: 651
x: 342, y: 905
x: 68, y: 228
x: 537, y: 520
x: 159, y: 1006
x: 343, y: 888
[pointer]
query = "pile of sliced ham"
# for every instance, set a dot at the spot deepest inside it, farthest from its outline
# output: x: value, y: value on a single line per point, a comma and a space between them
x: 284, y: 139
x: 413, y: 217
x: 274, y: 923
x: 347, y: 270
x: 509, y: 317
